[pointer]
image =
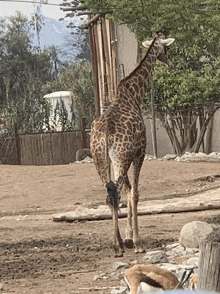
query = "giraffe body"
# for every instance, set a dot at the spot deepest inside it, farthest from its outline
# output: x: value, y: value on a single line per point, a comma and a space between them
x: 119, y: 136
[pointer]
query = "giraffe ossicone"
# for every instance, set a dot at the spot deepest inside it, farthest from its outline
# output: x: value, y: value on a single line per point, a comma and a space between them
x: 118, y: 136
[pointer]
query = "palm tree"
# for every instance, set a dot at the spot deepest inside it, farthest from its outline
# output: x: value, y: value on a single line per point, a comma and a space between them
x: 37, y: 22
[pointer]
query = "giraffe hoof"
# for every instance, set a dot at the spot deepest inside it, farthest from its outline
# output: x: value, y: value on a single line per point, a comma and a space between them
x: 139, y: 250
x: 118, y: 254
x: 128, y: 243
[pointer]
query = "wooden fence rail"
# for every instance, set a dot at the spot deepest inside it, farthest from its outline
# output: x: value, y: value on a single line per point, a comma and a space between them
x: 48, y: 148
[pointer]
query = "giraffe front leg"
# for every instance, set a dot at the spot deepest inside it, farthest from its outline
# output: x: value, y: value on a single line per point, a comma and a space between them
x: 137, y: 163
x: 128, y: 242
x: 136, y: 238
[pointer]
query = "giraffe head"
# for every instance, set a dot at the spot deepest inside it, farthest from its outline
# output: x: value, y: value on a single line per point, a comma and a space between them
x: 162, y: 48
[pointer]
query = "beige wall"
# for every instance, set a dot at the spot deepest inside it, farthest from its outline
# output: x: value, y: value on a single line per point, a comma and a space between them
x: 126, y: 50
x: 215, y: 141
x: 163, y: 142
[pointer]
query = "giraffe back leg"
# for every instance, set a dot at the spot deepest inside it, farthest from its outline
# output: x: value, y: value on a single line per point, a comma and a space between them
x: 120, y: 171
x: 103, y: 167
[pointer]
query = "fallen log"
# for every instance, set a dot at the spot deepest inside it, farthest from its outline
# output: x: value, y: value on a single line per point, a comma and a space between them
x: 68, y: 218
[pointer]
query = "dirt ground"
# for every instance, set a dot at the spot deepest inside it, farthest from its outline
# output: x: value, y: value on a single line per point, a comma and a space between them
x: 38, y: 255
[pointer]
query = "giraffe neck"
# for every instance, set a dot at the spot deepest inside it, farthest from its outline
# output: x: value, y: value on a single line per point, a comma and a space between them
x: 132, y: 88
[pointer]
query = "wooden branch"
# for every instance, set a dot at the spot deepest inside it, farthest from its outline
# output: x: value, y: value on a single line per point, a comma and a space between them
x: 71, y: 272
x: 94, y: 70
x: 73, y: 8
x: 84, y: 13
x: 94, y: 19
x: 98, y: 288
x: 203, y: 130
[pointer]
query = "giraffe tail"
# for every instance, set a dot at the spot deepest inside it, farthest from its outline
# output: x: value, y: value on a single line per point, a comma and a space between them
x: 112, y: 197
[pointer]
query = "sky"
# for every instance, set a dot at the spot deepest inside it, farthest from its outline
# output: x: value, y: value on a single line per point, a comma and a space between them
x: 8, y: 8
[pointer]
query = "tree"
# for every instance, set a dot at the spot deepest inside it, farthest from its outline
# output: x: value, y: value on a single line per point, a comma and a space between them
x: 185, y: 105
x: 77, y: 44
x: 23, y: 72
x: 191, y: 90
x: 37, y: 22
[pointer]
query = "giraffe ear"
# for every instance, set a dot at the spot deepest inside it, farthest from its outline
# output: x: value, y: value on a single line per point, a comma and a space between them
x: 146, y: 43
x: 167, y: 42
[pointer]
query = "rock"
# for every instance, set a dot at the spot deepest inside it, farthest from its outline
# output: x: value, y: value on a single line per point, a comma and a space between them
x: 193, y: 261
x: 200, y: 156
x: 178, y: 250
x: 133, y: 262
x: 122, y: 205
x: 149, y: 157
x: 83, y: 153
x: 100, y: 277
x: 170, y: 253
x: 214, y: 156
x: 87, y: 160
x: 122, y: 290
x: 118, y: 265
x: 176, y: 268
x: 158, y: 256
x: 194, y: 232
x: 188, y: 156
x: 96, y: 278
x: 171, y: 246
x: 214, y: 236
x: 123, y: 283
x: 192, y: 251
x: 120, y: 276
x: 170, y: 156
x: 78, y: 203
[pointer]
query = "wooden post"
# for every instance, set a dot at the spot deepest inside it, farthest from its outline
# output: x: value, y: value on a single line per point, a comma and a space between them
x: 17, y: 141
x: 208, y: 147
x: 209, y: 266
x: 95, y: 70
x: 153, y: 125
x: 139, y: 53
x: 84, y: 132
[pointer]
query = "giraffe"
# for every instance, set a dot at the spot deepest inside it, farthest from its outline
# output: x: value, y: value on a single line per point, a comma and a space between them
x: 118, y: 136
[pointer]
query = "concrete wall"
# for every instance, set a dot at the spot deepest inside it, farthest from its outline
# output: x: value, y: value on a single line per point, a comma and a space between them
x: 126, y: 51
x: 215, y: 140
x: 164, y: 145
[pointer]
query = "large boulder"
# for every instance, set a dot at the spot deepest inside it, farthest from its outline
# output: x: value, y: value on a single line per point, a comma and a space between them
x: 83, y: 153
x: 192, y: 233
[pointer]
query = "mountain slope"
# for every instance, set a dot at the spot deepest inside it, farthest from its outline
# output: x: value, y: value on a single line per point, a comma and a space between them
x: 52, y: 33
